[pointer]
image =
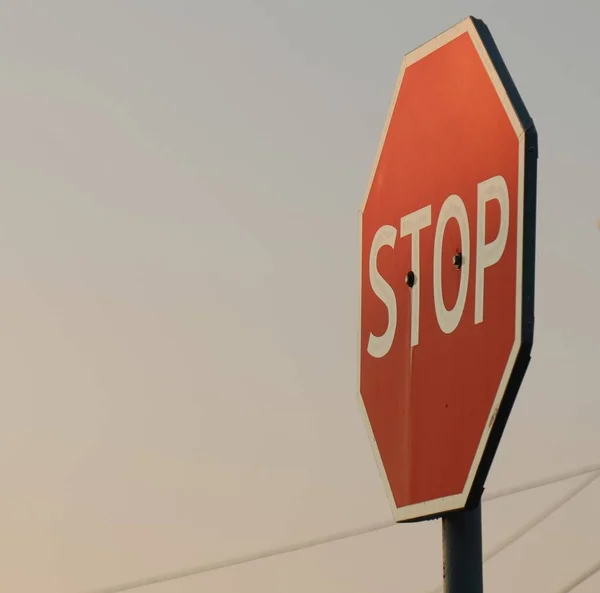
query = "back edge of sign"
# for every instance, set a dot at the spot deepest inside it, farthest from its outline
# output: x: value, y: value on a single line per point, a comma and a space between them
x: 529, y: 192
x: 496, y: 68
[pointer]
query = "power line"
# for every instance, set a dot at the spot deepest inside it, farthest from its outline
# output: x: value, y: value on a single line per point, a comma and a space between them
x: 561, y: 502
x: 245, y: 559
x: 281, y: 550
x: 584, y: 576
x: 530, y: 525
x: 587, y: 469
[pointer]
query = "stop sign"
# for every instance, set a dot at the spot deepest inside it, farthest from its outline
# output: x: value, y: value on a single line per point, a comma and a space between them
x: 447, y: 272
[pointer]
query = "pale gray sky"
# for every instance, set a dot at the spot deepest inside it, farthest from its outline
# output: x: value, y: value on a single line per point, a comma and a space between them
x: 178, y: 257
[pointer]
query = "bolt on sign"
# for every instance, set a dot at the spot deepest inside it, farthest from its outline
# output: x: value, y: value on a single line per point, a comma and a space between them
x: 447, y: 272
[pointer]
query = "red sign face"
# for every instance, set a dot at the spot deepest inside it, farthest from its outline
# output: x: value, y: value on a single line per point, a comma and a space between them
x: 447, y: 250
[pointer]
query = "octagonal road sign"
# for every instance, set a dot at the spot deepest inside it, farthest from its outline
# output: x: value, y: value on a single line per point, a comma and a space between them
x: 447, y: 272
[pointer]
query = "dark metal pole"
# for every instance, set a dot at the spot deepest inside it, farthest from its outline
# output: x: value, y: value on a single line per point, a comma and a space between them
x: 463, y: 555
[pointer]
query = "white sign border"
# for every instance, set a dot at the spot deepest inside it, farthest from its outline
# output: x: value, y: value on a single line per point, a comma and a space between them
x: 441, y: 506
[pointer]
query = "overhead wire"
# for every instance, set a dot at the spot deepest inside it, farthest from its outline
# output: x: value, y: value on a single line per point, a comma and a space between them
x: 331, y: 538
x: 584, y: 576
x: 561, y: 502
x: 587, y: 469
x: 530, y: 525
x: 245, y: 559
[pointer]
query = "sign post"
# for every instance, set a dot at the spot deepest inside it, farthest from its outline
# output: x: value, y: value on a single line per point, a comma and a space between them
x: 463, y: 553
x: 447, y: 284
